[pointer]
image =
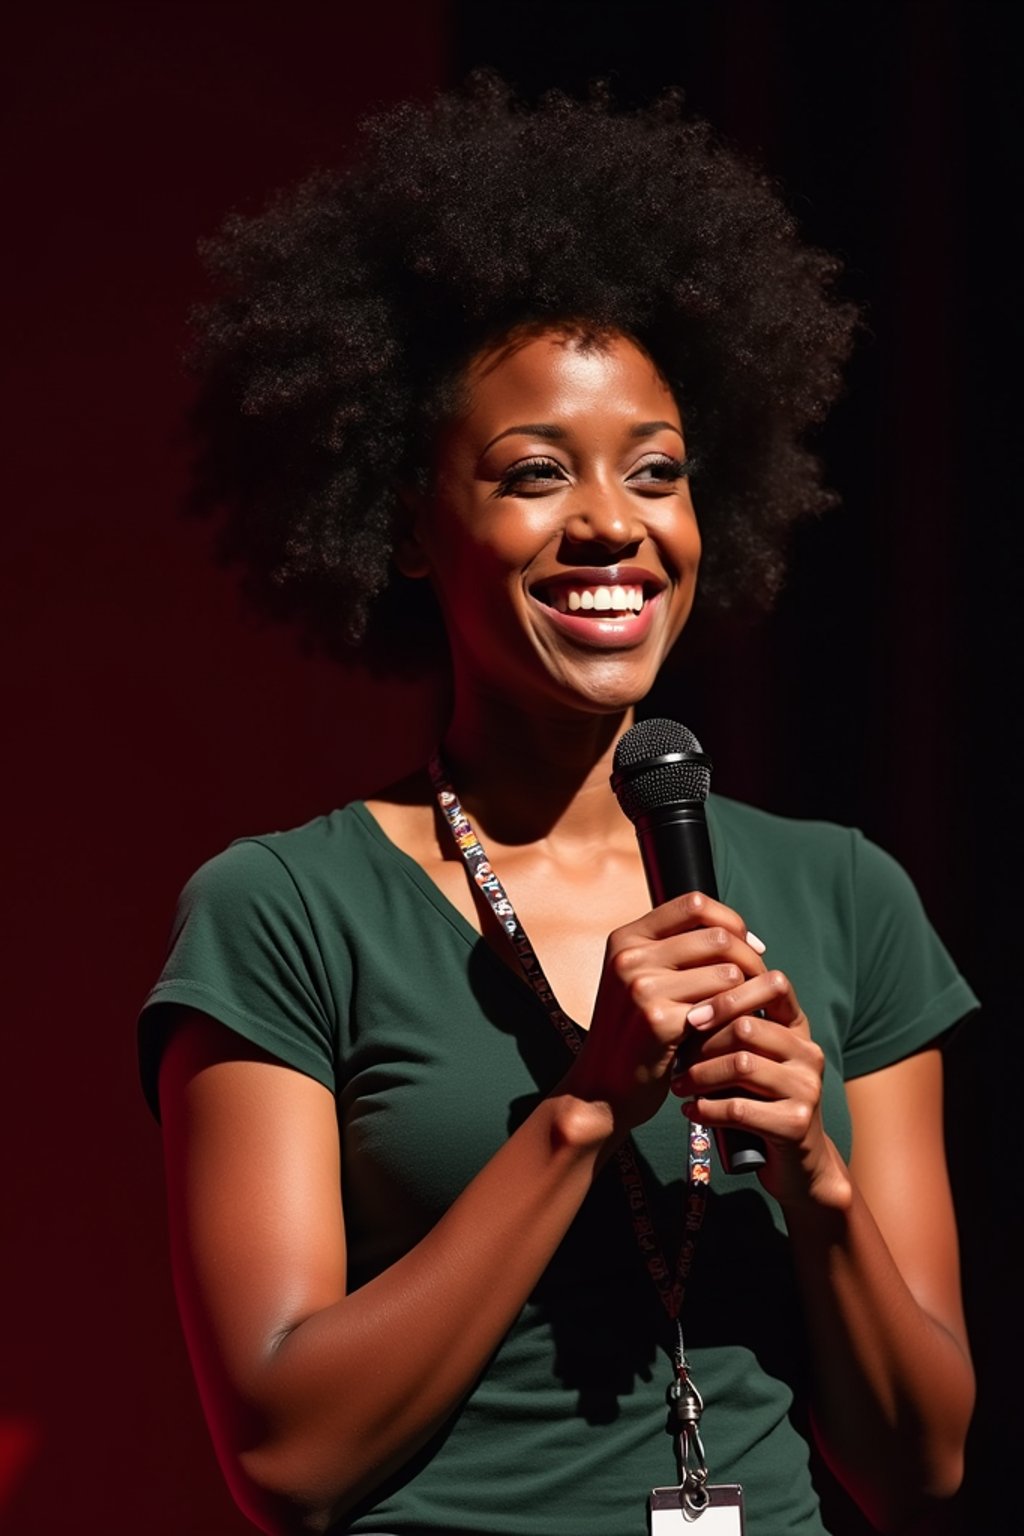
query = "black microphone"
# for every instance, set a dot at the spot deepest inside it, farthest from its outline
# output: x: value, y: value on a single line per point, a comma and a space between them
x: 661, y: 779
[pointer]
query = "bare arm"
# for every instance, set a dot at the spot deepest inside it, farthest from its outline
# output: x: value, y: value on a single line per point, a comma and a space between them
x: 314, y: 1395
x: 874, y: 1246
x: 881, y: 1288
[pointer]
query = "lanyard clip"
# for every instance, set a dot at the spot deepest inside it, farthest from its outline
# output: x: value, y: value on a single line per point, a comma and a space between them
x: 685, y: 1406
x: 685, y: 1403
x: 683, y: 1400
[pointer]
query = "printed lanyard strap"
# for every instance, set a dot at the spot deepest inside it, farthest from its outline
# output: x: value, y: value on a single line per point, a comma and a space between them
x: 671, y: 1288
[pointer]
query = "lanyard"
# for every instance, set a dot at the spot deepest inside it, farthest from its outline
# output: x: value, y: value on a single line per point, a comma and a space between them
x: 684, y: 1400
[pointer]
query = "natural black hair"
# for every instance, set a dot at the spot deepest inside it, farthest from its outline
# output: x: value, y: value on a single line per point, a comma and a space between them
x: 349, y: 306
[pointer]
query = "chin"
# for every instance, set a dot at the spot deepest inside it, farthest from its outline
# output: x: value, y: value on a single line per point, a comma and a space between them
x: 608, y: 690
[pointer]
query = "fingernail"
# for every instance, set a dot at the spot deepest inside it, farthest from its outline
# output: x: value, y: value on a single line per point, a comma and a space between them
x: 702, y: 1015
x: 756, y: 944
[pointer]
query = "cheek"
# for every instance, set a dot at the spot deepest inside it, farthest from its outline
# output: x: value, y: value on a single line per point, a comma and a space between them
x: 474, y: 586
x: 689, y: 531
x: 688, y: 550
x: 482, y: 546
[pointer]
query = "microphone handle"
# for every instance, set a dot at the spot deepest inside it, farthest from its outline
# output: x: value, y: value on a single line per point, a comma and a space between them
x: 676, y: 851
x: 676, y: 854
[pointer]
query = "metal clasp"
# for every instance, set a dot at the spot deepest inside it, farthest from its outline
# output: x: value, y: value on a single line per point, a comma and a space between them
x: 685, y: 1408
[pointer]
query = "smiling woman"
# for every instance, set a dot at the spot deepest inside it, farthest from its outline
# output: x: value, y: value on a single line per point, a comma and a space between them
x: 559, y: 529
x: 424, y: 1161
x: 352, y: 307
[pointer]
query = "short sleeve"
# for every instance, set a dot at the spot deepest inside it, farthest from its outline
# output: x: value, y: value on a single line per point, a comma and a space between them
x: 243, y: 950
x: 907, y: 991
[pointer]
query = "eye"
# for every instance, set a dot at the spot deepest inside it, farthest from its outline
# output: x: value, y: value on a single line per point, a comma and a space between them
x: 529, y: 475
x: 662, y: 469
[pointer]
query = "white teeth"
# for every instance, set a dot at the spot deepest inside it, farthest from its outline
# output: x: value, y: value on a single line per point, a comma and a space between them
x: 600, y: 600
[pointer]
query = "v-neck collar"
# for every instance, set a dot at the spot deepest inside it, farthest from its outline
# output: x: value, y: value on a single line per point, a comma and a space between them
x: 418, y: 875
x: 473, y: 937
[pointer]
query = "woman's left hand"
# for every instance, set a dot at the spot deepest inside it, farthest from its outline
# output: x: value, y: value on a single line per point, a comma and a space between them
x: 873, y: 1246
x: 764, y: 1075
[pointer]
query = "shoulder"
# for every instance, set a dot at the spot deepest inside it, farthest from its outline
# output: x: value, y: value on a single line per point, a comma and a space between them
x: 256, y: 864
x: 278, y: 903
x: 819, y: 850
x: 767, y: 830
x: 261, y: 943
x: 341, y: 831
x: 798, y: 861
x: 332, y: 884
x: 847, y: 923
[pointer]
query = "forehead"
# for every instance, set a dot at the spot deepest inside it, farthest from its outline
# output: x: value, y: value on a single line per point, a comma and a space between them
x: 562, y: 377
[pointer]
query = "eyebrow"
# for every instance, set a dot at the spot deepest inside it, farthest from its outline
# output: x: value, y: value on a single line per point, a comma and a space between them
x: 648, y: 428
x: 555, y: 434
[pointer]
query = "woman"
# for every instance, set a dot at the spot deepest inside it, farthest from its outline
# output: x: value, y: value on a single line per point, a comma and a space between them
x: 470, y: 378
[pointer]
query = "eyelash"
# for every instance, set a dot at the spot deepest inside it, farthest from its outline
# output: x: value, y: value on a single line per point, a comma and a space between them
x: 666, y: 470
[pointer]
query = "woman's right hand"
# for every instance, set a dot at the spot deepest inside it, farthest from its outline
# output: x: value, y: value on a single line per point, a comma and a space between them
x: 313, y: 1395
x: 655, y: 970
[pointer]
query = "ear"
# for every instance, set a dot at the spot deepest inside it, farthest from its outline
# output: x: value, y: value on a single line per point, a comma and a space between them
x: 408, y: 553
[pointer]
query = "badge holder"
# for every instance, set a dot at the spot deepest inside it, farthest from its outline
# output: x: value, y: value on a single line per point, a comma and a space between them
x: 671, y: 1512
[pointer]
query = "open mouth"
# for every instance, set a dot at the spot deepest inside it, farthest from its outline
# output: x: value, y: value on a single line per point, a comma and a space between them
x: 608, y: 598
x: 612, y: 608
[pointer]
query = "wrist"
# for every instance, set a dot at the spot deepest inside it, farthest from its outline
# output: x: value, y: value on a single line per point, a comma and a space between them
x: 826, y: 1194
x: 582, y: 1125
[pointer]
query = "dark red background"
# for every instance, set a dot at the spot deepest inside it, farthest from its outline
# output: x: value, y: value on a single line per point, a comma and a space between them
x: 150, y: 723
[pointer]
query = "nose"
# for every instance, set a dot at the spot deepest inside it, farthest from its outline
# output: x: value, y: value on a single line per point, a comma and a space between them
x: 602, y: 518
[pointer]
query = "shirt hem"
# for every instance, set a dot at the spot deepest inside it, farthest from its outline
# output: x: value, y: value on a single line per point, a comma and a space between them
x: 952, y: 1004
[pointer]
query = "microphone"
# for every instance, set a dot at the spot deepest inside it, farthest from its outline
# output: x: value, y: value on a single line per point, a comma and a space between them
x: 661, y: 779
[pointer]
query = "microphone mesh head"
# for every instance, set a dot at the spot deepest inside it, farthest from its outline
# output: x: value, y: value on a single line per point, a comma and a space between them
x: 643, y: 788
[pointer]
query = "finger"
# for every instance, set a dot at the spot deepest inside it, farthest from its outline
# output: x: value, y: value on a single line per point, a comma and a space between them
x: 777, y: 1120
x: 749, y: 1072
x: 776, y: 1042
x: 692, y: 910
x: 764, y: 1040
x: 684, y: 987
x: 770, y: 992
x: 699, y: 949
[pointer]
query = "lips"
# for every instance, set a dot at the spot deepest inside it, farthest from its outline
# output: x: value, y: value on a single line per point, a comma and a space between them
x: 603, y: 607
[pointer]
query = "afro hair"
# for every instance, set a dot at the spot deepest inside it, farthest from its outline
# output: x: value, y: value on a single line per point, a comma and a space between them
x: 348, y: 309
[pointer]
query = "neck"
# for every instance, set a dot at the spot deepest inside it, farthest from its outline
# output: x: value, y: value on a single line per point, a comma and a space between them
x: 524, y: 778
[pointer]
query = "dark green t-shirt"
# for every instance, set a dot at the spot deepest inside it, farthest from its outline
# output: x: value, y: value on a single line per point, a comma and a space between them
x: 335, y: 952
